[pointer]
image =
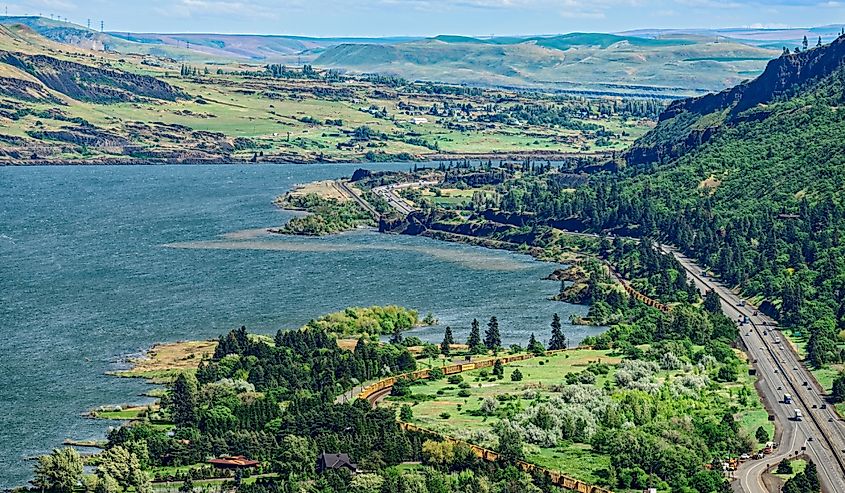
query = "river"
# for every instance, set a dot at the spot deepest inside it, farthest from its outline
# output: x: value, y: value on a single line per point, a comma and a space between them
x: 99, y: 263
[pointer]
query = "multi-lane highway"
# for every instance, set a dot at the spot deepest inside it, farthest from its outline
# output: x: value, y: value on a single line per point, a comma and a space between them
x: 819, y: 434
x: 389, y: 193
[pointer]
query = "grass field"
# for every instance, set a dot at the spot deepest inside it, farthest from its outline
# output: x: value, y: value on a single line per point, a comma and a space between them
x: 449, y: 409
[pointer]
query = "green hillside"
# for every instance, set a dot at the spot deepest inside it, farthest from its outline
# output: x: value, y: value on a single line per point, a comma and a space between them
x: 751, y: 181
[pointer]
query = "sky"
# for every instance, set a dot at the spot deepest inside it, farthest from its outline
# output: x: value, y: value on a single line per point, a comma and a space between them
x: 430, y: 17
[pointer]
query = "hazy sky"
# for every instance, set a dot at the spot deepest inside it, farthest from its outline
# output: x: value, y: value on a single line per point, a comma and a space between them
x: 429, y: 17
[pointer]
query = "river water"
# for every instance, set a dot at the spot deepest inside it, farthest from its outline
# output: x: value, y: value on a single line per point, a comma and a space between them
x: 99, y: 263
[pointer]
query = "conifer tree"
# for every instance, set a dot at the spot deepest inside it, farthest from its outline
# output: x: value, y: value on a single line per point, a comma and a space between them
x: 184, y: 400
x: 448, y: 340
x: 474, y: 341
x: 558, y: 340
x: 492, y: 338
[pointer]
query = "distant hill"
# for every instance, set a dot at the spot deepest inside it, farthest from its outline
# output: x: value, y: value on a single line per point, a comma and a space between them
x: 586, y: 62
x: 192, y: 47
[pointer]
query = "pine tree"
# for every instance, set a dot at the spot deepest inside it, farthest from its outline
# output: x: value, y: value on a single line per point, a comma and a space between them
x: 448, y: 340
x: 498, y: 369
x: 474, y: 341
x: 534, y: 346
x: 558, y: 340
x: 492, y: 338
x: 805, y: 43
x: 184, y: 400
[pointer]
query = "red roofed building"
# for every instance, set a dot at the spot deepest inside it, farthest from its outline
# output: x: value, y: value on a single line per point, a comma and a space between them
x: 233, y: 462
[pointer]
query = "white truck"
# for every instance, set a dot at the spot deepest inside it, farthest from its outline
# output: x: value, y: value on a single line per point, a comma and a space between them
x: 798, y: 416
x: 787, y: 399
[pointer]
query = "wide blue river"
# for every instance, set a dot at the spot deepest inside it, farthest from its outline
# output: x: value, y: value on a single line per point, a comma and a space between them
x: 99, y: 263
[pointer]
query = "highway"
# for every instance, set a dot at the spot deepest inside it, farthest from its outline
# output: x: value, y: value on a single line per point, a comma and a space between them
x: 389, y: 193
x: 820, y: 433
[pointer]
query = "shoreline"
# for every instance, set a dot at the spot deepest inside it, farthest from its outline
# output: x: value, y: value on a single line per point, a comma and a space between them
x: 420, y: 158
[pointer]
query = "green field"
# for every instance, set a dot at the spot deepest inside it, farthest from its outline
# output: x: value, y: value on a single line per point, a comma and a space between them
x: 447, y: 409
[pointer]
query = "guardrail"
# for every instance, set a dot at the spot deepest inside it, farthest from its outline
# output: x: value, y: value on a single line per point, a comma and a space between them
x: 557, y: 478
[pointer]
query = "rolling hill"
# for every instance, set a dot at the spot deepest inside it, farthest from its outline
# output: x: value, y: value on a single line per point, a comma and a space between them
x: 598, y: 63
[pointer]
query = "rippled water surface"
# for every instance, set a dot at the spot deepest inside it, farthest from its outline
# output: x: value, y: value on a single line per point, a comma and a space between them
x: 99, y: 263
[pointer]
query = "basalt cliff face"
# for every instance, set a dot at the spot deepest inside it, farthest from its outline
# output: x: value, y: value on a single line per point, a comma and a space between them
x: 688, y: 123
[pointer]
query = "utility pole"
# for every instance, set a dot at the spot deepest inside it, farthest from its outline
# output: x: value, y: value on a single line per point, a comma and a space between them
x: 102, y: 26
x: 89, y: 24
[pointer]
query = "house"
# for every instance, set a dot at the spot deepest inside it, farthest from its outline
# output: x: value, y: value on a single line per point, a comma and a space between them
x: 233, y: 462
x: 419, y: 120
x: 335, y: 461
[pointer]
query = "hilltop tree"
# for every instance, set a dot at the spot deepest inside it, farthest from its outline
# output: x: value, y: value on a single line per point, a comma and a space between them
x: 474, y: 341
x: 805, y: 43
x: 60, y: 471
x: 492, y: 337
x: 183, y: 400
x: 819, y: 43
x: 558, y: 340
x: 448, y: 340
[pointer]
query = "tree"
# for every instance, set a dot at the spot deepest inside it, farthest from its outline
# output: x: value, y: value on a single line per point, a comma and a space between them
x: 558, y: 340
x: 448, y: 340
x: 492, y: 338
x: 396, y: 338
x: 784, y: 467
x: 430, y: 351
x: 516, y: 376
x: 184, y: 400
x: 298, y: 455
x: 510, y: 442
x: 60, y: 471
x: 106, y: 484
x: 805, y: 43
x: 498, y: 369
x: 125, y: 468
x: 838, y: 392
x: 406, y: 414
x: 535, y: 346
x: 762, y: 435
x: 474, y: 341
x: 712, y: 303
x: 812, y: 475
x: 819, y: 43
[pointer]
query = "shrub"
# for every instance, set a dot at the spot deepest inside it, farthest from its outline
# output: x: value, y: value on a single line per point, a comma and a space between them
x: 455, y: 379
x: 464, y: 393
x: 516, y: 376
x: 445, y: 415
